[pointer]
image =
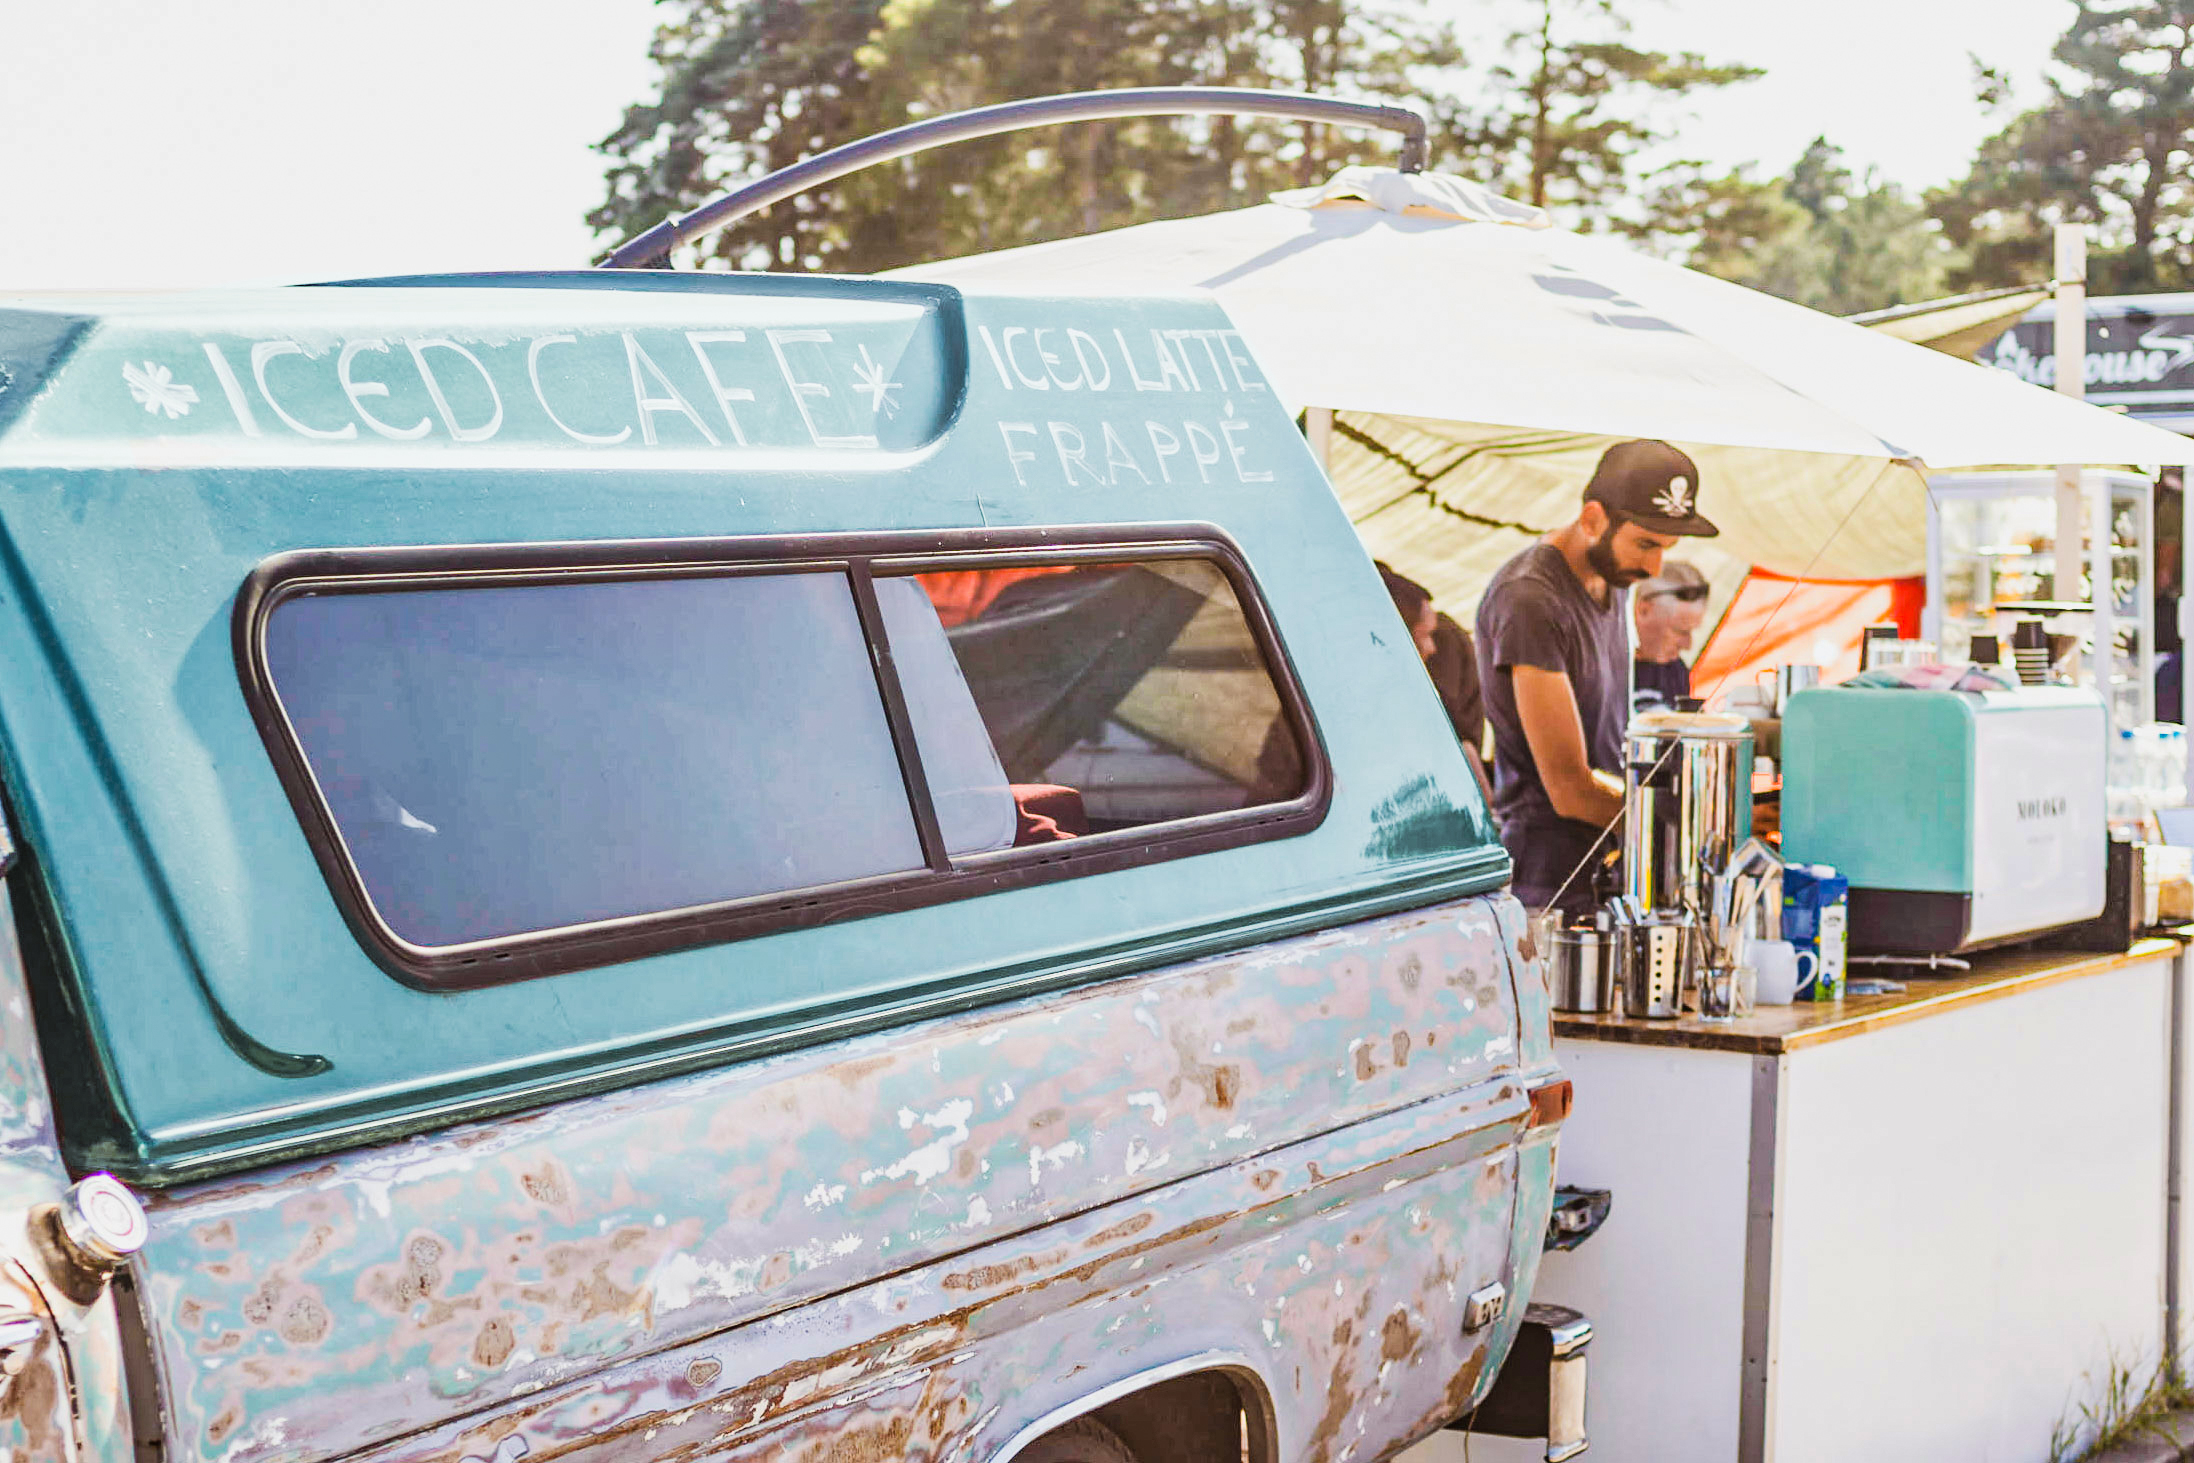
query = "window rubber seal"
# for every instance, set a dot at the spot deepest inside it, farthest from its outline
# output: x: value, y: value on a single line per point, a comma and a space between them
x: 942, y: 878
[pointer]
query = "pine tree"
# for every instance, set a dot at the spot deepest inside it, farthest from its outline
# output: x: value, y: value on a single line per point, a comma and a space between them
x: 2111, y: 147
x: 751, y: 85
x: 1572, y: 104
x: 1819, y: 236
x: 748, y: 86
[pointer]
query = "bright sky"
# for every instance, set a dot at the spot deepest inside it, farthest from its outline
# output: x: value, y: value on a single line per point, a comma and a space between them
x: 1886, y: 80
x: 150, y: 143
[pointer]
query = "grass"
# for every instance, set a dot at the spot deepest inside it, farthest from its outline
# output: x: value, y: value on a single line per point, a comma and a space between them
x: 2128, y: 1410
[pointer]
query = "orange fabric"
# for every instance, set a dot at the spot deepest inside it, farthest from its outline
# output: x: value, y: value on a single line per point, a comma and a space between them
x: 961, y: 595
x: 1907, y: 597
x: 1777, y: 621
x: 1046, y: 812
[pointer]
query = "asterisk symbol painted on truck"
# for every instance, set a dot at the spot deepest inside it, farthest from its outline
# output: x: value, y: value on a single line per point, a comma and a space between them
x: 871, y: 378
x: 155, y: 388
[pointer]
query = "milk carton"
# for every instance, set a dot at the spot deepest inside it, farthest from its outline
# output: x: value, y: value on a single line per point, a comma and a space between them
x: 1816, y: 903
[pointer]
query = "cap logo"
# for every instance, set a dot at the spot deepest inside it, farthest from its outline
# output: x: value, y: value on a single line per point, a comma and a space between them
x: 1674, y: 501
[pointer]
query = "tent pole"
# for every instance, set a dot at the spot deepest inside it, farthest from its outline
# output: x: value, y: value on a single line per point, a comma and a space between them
x: 2071, y: 342
x: 1318, y: 430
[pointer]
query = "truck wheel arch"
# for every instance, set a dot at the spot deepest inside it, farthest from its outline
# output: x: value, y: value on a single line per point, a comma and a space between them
x: 1202, y: 1409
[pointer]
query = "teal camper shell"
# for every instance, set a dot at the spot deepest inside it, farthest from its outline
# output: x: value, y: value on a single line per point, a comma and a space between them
x: 722, y: 865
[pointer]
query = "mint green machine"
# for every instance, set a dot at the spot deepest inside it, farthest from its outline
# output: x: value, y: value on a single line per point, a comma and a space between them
x: 1961, y: 819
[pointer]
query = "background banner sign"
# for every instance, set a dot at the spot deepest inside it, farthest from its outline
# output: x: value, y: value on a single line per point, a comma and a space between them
x: 2140, y: 352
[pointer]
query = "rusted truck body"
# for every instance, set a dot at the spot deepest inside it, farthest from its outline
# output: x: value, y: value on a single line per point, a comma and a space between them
x: 635, y: 866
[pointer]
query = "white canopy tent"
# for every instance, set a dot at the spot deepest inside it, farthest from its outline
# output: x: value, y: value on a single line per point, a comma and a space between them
x: 1480, y: 360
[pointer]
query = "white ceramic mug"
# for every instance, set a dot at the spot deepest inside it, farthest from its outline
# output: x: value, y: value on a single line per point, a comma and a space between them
x: 1775, y: 962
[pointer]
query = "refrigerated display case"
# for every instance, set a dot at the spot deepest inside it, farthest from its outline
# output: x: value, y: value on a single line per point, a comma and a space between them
x: 1992, y: 560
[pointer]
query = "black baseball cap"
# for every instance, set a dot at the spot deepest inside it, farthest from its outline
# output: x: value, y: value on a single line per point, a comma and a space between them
x: 1651, y: 484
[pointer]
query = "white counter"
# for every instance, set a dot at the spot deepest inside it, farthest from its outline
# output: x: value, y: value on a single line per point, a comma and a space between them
x: 1902, y: 1227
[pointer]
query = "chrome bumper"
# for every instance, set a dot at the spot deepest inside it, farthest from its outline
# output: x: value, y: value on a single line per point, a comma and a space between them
x: 1540, y: 1392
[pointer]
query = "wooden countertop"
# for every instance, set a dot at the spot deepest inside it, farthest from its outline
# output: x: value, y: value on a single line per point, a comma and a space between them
x: 1772, y: 1030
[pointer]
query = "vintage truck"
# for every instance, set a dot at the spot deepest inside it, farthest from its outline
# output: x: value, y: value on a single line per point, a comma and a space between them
x: 678, y: 865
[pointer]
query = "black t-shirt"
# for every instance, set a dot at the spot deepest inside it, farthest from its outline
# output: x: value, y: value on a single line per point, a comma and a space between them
x: 1454, y: 670
x: 1536, y: 613
x: 1657, y: 685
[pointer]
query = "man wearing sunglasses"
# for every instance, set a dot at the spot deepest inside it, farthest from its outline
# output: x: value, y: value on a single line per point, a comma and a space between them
x: 1668, y: 608
x: 1554, y: 665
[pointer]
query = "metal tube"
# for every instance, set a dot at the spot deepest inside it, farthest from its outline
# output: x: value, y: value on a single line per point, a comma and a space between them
x: 2144, y: 596
x: 2071, y: 355
x: 2174, y: 1140
x: 1318, y: 431
x: 1086, y: 106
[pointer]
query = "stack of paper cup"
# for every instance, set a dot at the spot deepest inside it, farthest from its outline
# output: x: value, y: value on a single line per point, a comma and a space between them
x: 2030, y: 652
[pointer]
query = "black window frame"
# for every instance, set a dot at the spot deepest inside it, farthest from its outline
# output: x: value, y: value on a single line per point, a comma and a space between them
x: 861, y: 557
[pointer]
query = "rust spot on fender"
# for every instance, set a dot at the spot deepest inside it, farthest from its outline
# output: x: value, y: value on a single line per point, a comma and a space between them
x: 1220, y: 1084
x: 1400, y: 1045
x: 985, y: 1277
x: 305, y: 1321
x: 1366, y: 1067
x: 755, y: 1404
x: 225, y: 1342
x: 494, y: 1344
x: 314, y: 1242
x: 1455, y: 1401
x: 881, y: 1443
x: 1398, y: 1338
x: 259, y: 1305
x: 1126, y: 1229
x: 416, y: 1278
x: 244, y: 1188
x: 546, y: 1185
x: 1340, y: 1402
x: 33, y: 1398
x: 1084, y: 1273
x: 224, y: 1423
x: 851, y: 1074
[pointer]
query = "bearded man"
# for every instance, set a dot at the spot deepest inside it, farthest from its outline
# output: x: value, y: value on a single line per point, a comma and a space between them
x: 1554, y: 665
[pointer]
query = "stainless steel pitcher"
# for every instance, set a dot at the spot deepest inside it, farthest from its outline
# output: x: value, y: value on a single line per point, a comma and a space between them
x: 1584, y: 971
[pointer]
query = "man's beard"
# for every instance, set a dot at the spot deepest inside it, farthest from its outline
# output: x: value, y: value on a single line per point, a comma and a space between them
x: 1601, y: 556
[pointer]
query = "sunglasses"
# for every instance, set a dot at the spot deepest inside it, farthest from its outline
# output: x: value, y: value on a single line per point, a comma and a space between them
x: 1689, y: 593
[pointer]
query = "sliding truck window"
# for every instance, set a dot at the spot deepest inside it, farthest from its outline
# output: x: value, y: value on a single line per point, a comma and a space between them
x: 517, y: 760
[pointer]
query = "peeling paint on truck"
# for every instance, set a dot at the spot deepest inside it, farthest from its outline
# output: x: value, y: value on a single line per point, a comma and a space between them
x: 909, y: 1181
x: 1163, y: 1114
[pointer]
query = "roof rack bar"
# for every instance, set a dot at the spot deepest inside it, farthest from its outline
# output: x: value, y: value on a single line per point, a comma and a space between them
x: 654, y: 246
